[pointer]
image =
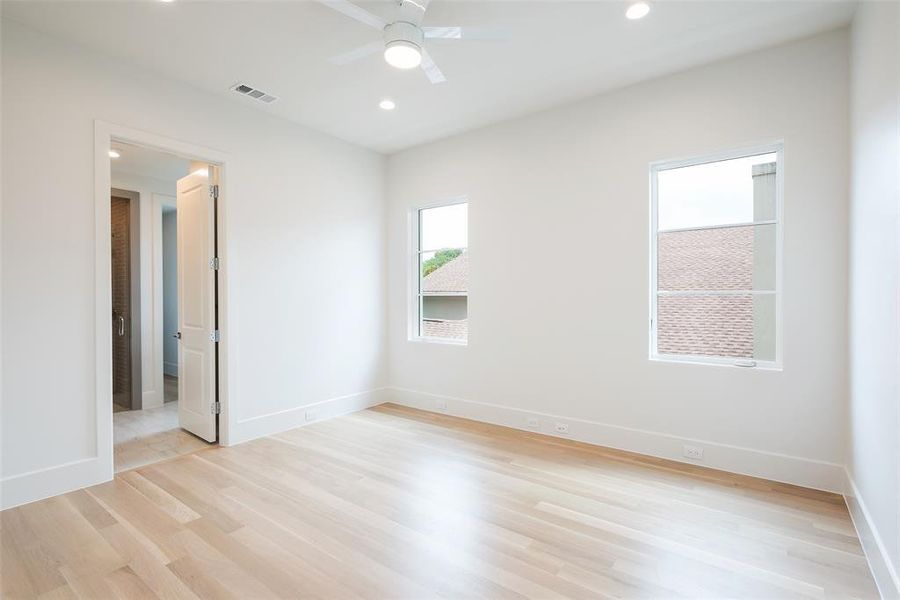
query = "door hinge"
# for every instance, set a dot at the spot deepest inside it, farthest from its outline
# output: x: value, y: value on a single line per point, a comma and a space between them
x: 215, y: 408
x: 214, y: 336
x: 214, y: 263
x: 214, y: 192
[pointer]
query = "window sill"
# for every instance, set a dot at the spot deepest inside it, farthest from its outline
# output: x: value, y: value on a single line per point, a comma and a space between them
x: 713, y: 362
x: 442, y: 341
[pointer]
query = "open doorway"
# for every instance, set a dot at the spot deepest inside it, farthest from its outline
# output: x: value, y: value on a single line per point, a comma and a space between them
x: 126, y: 307
x: 164, y: 307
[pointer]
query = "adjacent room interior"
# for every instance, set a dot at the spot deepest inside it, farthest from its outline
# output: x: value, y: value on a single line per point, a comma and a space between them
x: 145, y: 301
x: 404, y: 299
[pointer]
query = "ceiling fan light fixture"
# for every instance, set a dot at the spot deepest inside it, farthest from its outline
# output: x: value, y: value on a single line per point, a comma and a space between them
x: 403, y: 54
x: 637, y: 10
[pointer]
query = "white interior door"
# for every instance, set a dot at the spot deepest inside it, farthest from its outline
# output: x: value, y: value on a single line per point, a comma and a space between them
x: 196, y: 306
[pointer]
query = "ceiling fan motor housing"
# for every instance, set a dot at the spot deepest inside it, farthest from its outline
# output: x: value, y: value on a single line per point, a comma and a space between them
x: 401, y: 31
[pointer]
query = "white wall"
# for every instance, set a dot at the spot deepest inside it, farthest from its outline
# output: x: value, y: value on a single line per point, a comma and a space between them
x: 305, y: 246
x: 874, y: 415
x: 170, y: 292
x: 559, y: 208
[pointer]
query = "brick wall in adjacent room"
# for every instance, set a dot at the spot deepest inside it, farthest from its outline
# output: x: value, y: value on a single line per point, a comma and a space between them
x: 121, y: 298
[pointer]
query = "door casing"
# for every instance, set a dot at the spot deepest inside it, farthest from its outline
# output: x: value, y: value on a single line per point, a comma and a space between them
x: 100, y: 468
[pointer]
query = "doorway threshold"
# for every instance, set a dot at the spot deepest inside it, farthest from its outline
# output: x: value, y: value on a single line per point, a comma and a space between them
x: 143, y: 437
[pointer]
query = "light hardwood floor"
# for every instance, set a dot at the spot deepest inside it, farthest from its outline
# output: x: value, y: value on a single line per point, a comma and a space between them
x: 143, y: 437
x: 392, y: 502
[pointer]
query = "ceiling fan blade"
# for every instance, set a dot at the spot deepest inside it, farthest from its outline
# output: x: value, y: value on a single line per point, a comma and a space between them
x: 466, y: 33
x: 412, y: 11
x: 443, y: 33
x: 431, y: 69
x: 357, y: 53
x: 421, y: 4
x: 355, y: 12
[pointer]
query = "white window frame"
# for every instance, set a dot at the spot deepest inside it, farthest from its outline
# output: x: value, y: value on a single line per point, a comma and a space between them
x: 414, y: 282
x: 774, y: 147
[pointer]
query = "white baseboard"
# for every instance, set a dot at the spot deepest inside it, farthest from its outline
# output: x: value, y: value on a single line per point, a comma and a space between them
x: 52, y: 481
x: 152, y: 399
x: 884, y: 573
x: 276, y: 422
x: 745, y: 461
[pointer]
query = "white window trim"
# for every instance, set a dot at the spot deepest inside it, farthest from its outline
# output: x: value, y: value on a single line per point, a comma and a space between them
x: 414, y: 306
x: 776, y: 147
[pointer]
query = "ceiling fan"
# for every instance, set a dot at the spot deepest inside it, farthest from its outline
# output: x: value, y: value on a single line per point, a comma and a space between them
x: 403, y: 41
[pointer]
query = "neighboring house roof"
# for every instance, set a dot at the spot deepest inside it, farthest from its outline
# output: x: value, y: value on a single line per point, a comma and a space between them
x: 450, y: 277
x: 707, y: 259
x: 453, y: 330
x: 706, y: 325
x: 711, y: 259
x: 714, y: 259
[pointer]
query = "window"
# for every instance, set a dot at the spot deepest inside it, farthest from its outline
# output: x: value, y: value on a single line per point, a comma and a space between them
x: 441, y: 273
x: 715, y: 259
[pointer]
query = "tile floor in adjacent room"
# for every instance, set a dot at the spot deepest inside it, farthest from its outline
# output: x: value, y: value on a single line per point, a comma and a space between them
x: 142, y: 437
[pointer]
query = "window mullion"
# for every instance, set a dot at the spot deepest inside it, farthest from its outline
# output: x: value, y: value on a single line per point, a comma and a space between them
x: 722, y: 226
x: 463, y: 248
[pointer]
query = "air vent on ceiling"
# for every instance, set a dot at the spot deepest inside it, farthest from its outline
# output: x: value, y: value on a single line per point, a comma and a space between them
x: 246, y: 90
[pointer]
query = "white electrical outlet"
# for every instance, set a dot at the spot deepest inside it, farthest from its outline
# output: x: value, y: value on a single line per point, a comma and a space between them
x: 562, y: 428
x: 694, y: 452
x: 311, y: 415
x: 442, y: 405
x: 533, y: 422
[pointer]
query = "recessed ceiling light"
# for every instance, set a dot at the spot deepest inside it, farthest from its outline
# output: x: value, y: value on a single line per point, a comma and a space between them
x: 387, y: 104
x: 637, y: 10
x: 167, y: 1
x: 403, y: 54
x: 114, y: 154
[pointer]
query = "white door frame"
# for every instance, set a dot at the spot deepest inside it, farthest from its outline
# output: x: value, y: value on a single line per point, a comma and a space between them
x: 104, y: 134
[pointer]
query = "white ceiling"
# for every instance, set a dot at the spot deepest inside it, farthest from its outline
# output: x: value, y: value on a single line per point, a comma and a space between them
x: 557, y: 52
x: 137, y: 160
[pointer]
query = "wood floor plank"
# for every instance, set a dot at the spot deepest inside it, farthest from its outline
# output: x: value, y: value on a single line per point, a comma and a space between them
x: 160, y: 497
x: 393, y: 502
x: 203, y: 561
x: 281, y: 583
x: 125, y: 583
x: 27, y: 569
x: 64, y: 592
x: 147, y: 562
x: 146, y: 521
x: 193, y: 574
x: 75, y: 546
